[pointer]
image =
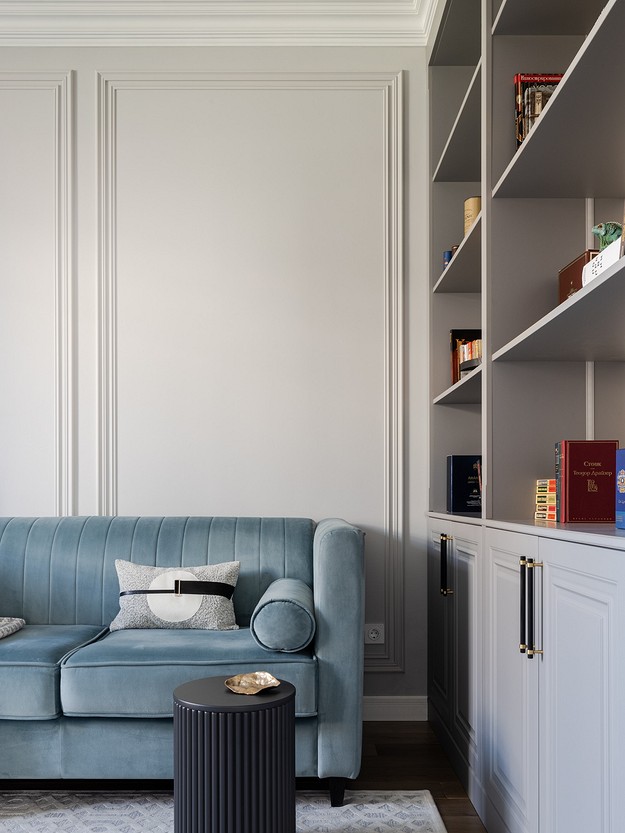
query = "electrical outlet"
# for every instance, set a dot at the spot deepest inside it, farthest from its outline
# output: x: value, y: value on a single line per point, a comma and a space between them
x: 374, y: 634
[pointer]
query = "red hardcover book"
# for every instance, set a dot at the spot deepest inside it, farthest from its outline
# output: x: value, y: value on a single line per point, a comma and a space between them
x: 586, y: 475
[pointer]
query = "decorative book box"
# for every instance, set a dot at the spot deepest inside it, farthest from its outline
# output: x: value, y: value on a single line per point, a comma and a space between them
x: 464, y: 483
x: 570, y: 277
x: 620, y: 489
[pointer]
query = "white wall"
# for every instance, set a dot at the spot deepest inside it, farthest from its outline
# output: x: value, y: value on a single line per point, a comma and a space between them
x: 212, y: 264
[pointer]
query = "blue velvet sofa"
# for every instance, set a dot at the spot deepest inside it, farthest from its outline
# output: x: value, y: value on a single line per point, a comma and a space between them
x: 80, y: 701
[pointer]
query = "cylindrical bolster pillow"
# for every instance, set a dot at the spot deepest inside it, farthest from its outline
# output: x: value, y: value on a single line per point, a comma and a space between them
x: 284, y: 618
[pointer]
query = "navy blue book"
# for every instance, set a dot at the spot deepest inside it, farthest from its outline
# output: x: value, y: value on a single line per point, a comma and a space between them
x: 464, y: 483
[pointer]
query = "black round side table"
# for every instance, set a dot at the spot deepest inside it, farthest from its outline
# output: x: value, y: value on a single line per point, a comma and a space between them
x: 234, y: 759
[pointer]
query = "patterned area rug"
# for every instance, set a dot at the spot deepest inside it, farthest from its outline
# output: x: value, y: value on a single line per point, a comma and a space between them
x: 123, y: 812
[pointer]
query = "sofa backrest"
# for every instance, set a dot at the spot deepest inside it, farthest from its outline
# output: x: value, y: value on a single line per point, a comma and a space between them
x: 62, y: 570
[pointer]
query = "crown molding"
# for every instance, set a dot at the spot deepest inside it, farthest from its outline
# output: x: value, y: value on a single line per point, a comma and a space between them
x: 215, y: 22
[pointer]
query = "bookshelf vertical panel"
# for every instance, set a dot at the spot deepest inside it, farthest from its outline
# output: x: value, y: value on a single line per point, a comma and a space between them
x: 455, y: 107
x: 535, y: 404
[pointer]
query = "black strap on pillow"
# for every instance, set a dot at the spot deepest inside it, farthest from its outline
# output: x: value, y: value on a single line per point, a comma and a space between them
x: 198, y: 588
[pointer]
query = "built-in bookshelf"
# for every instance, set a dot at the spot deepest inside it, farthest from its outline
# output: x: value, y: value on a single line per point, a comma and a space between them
x: 455, y: 83
x: 550, y: 370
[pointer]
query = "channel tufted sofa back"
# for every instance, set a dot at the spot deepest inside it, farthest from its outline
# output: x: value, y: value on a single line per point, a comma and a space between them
x: 62, y: 570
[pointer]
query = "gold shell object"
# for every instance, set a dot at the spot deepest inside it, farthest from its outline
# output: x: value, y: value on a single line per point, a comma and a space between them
x: 251, y: 683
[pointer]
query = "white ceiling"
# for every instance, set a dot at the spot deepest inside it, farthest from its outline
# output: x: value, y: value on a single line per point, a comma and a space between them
x: 199, y: 22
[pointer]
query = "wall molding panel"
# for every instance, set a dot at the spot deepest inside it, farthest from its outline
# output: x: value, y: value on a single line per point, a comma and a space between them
x: 389, y: 104
x: 215, y: 22
x: 60, y: 86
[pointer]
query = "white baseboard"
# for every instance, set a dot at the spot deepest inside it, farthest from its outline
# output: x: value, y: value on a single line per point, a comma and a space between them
x: 395, y: 708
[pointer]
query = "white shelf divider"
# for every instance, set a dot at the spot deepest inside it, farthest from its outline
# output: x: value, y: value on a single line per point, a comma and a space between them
x: 588, y: 326
x: 467, y: 391
x: 463, y: 272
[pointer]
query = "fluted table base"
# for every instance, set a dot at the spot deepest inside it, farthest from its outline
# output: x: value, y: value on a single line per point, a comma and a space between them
x: 234, y: 766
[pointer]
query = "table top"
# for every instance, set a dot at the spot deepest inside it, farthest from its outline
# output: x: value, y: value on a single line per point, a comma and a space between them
x: 211, y: 695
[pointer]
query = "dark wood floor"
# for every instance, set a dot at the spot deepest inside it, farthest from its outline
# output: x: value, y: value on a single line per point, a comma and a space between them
x: 407, y: 756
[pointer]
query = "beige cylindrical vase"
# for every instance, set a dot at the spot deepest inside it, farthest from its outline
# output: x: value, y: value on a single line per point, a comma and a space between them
x: 472, y: 207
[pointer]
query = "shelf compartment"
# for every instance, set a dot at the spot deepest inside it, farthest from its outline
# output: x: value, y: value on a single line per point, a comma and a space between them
x: 458, y: 41
x: 557, y: 17
x: 579, y: 115
x: 585, y: 327
x: 467, y: 391
x: 463, y: 273
x: 460, y: 160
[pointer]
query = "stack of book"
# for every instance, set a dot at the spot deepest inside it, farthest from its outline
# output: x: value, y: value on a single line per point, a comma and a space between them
x: 546, y: 499
x: 466, y: 352
x: 532, y: 91
x: 585, y: 480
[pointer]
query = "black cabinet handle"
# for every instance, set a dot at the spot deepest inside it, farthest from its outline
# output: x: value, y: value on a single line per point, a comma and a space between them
x: 444, y: 589
x: 530, y: 608
x: 522, y: 605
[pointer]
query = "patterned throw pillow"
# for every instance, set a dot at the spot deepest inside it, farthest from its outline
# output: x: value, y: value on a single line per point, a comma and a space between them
x: 176, y: 597
x: 9, y: 625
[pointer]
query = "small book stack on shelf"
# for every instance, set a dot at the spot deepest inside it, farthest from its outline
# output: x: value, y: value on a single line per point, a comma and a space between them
x: 466, y: 352
x: 546, y: 500
x: 585, y: 480
x: 532, y: 91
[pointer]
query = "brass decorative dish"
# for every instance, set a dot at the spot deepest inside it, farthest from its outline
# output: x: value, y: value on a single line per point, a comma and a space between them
x: 251, y: 683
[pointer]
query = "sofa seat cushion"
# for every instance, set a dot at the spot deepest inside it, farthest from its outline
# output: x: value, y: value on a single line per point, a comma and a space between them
x: 133, y: 673
x: 30, y: 668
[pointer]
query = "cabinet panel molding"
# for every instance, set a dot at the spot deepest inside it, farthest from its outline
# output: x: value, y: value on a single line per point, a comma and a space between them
x: 581, y: 685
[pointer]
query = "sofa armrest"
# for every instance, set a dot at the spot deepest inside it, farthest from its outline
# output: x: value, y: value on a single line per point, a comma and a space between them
x: 284, y: 618
x: 338, y: 570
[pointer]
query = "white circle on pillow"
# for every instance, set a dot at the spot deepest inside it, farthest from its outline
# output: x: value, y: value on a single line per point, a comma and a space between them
x: 169, y: 607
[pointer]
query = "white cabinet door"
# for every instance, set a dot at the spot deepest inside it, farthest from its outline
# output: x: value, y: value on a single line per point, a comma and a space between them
x: 510, y: 728
x: 466, y: 653
x: 582, y: 684
x: 454, y: 656
x: 439, y: 625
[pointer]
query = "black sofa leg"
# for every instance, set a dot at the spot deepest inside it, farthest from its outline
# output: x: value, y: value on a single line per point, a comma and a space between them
x: 337, y: 791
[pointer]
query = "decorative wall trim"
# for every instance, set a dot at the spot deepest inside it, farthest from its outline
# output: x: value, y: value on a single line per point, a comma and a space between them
x: 389, y: 85
x: 205, y: 22
x: 395, y: 708
x: 392, y: 659
x: 60, y: 86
